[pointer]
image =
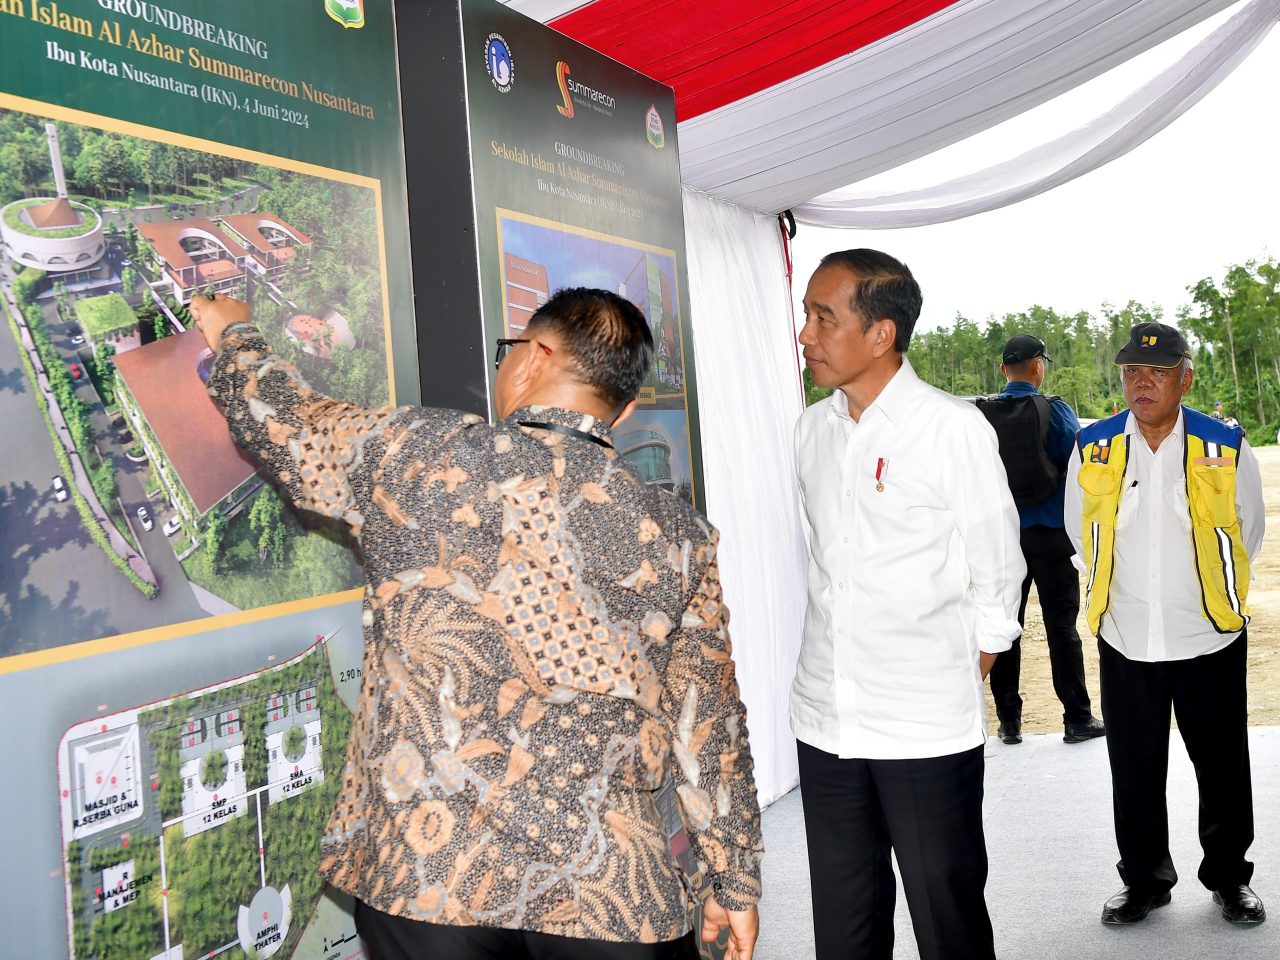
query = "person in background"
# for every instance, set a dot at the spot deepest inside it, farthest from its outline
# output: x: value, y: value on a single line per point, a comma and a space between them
x: 1165, y: 505
x: 1047, y: 550
x: 914, y: 570
x: 1230, y: 421
x: 545, y: 644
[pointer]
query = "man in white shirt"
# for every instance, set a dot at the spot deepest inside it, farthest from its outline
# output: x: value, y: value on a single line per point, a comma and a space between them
x: 1165, y: 506
x: 914, y: 576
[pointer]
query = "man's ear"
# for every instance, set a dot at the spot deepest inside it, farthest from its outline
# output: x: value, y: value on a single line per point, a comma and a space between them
x: 627, y: 410
x: 529, y: 369
x: 885, y: 336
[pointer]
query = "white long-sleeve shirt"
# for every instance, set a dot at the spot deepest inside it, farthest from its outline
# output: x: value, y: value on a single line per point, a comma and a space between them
x: 906, y: 584
x: 1154, y: 610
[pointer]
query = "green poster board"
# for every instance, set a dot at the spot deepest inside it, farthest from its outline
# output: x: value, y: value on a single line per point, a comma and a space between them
x: 577, y: 183
x: 562, y: 170
x: 178, y: 649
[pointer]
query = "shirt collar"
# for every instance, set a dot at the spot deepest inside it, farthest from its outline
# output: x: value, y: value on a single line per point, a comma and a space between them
x: 569, y: 419
x: 894, y: 400
x: 1178, y: 432
x: 1019, y: 388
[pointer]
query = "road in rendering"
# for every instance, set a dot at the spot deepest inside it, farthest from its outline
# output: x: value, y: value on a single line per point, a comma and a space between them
x: 56, y: 585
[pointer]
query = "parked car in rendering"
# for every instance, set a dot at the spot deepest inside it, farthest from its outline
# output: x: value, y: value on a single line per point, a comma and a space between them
x: 59, y: 490
x: 77, y: 339
x: 76, y: 372
x: 144, y: 518
x: 171, y: 526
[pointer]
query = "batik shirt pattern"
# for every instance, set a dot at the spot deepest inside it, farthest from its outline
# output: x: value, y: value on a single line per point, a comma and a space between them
x: 545, y: 644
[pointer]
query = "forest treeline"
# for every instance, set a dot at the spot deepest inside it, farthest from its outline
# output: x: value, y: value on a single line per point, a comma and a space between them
x: 1232, y: 324
x: 101, y: 165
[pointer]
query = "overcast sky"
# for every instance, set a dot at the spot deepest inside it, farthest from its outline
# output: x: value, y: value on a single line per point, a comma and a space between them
x: 1198, y: 196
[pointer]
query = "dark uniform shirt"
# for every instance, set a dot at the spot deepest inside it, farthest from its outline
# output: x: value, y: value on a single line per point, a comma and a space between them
x: 545, y: 644
x: 1063, y: 427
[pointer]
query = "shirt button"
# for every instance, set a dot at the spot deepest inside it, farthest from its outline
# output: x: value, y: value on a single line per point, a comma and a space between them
x: 848, y: 493
x: 841, y: 584
x: 844, y: 676
x: 846, y: 539
x: 839, y: 629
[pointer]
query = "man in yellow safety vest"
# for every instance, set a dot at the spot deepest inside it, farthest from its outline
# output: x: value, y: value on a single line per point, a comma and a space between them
x: 1164, y: 504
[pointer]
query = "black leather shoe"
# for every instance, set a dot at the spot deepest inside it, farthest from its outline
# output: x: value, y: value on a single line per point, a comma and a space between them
x: 1129, y: 907
x: 1240, y: 904
x: 1085, y: 730
x: 1010, y: 731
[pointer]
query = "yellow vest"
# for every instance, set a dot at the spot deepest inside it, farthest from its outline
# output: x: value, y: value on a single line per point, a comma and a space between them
x: 1222, y: 564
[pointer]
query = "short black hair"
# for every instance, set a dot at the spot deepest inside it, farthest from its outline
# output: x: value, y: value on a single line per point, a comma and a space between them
x: 884, y: 288
x: 605, y: 334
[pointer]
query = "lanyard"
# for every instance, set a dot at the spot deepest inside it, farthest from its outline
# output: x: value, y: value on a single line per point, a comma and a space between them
x: 568, y: 432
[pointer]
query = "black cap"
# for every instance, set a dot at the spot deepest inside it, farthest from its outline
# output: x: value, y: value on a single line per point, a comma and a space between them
x: 1024, y: 347
x: 1153, y: 345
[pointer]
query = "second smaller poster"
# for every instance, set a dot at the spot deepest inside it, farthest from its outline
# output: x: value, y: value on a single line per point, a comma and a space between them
x: 577, y: 184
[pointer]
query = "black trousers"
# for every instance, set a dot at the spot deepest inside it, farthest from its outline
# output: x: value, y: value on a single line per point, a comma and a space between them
x: 929, y: 813
x: 1207, y: 695
x: 388, y: 937
x: 1047, y: 551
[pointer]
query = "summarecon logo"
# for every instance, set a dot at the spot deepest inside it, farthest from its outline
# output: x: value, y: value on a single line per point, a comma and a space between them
x: 571, y: 92
x: 566, y: 100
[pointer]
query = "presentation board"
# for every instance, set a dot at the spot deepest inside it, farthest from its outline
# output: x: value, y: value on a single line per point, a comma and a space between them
x: 179, y: 650
x: 573, y: 180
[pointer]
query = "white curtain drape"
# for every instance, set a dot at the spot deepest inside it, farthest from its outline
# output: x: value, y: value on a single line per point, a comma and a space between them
x: 968, y: 67
x: 749, y: 397
x: 1134, y: 120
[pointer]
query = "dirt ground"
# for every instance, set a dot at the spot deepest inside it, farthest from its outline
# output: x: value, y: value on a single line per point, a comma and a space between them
x: 1041, y: 711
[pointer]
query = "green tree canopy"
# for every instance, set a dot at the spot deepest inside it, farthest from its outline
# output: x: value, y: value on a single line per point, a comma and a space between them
x: 1232, y: 325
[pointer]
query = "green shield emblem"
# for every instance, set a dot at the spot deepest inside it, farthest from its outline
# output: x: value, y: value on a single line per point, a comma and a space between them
x: 349, y: 13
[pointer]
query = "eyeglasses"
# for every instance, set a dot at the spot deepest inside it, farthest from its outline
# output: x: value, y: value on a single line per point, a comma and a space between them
x: 506, y: 343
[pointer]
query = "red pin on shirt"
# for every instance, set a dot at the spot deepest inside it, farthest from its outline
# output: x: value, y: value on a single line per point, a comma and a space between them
x: 882, y: 468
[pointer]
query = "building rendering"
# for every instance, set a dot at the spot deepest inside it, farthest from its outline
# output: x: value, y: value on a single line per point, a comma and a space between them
x: 650, y: 290
x: 185, y: 436
x: 271, y: 242
x: 54, y: 234
x: 205, y: 805
x: 528, y: 288
x: 650, y: 453
x: 293, y: 767
x: 195, y: 256
x: 108, y: 319
x: 319, y: 335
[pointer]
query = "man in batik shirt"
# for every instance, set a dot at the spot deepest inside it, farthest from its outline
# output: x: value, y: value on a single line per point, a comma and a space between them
x: 545, y: 644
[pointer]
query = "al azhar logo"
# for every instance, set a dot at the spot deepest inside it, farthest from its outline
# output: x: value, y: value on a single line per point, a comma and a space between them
x: 499, y: 64
x: 349, y: 13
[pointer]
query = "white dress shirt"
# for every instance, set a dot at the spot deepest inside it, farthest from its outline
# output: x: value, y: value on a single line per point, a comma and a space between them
x: 906, y: 584
x: 1154, y: 612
